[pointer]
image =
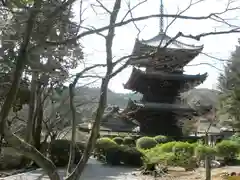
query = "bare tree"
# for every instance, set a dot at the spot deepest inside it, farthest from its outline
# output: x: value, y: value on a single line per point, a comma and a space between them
x: 26, y: 48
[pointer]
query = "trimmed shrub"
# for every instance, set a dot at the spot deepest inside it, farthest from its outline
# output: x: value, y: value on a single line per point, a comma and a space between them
x: 128, y: 141
x: 113, y: 155
x: 105, y: 143
x: 118, y: 140
x: 60, y: 150
x: 146, y: 143
x: 131, y: 156
x: 161, y: 139
x: 184, y: 147
x: 235, y: 138
x: 184, y: 160
x: 227, y: 149
x: 108, y: 150
x: 168, y: 147
x: 156, y: 156
x: 203, y: 150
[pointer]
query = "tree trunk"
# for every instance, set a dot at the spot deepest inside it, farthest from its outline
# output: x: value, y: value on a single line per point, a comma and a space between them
x: 31, y: 111
x: 38, y: 129
x: 30, y: 152
x: 74, y: 126
x: 20, y: 145
x: 207, y: 161
x: 94, y: 133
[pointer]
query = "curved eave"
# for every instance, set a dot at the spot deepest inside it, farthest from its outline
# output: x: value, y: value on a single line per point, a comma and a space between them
x: 140, y: 48
x: 137, y: 76
x: 164, y: 107
x: 162, y: 39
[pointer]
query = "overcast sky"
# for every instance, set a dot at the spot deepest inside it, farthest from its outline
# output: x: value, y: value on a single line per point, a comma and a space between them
x: 219, y: 46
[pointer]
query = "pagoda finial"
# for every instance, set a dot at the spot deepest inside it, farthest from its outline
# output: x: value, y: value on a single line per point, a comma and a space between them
x: 161, y: 24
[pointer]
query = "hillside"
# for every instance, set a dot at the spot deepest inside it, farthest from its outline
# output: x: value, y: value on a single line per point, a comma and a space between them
x: 203, y: 96
x: 86, y: 101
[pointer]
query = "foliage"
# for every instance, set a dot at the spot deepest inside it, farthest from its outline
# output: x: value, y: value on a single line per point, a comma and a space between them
x: 180, y: 158
x: 105, y: 143
x: 227, y: 149
x: 235, y: 138
x: 146, y: 142
x: 128, y: 140
x: 161, y: 139
x: 203, y: 150
x: 168, y: 147
x: 184, y: 147
x: 60, y: 150
x: 131, y: 156
x: 118, y: 140
x: 229, y: 84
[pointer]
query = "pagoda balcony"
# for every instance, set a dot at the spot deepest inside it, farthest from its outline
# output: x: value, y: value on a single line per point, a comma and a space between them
x: 141, y: 81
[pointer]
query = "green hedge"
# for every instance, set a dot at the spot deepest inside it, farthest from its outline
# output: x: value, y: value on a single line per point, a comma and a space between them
x: 161, y: 139
x: 201, y: 151
x: 128, y: 140
x: 146, y: 143
x: 168, y: 147
x: 227, y: 149
x: 118, y: 140
x: 59, y: 152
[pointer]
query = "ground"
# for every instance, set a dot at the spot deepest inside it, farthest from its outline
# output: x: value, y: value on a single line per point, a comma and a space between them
x: 97, y: 171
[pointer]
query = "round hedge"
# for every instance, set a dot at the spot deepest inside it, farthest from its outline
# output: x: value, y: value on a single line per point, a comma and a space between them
x: 168, y: 147
x: 128, y: 141
x: 118, y: 140
x: 146, y: 143
x: 184, y: 147
x: 105, y: 143
x: 201, y: 151
x: 60, y: 150
x: 161, y: 139
x: 227, y: 149
x: 131, y: 156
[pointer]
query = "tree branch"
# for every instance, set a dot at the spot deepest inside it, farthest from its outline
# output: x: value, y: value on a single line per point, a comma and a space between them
x: 103, y: 95
x: 26, y: 149
x: 89, y: 32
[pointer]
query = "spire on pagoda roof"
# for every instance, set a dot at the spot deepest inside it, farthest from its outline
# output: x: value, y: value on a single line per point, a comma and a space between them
x: 162, y: 40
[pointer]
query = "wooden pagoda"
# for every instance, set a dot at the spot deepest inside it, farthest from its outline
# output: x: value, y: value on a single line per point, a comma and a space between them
x: 161, y: 83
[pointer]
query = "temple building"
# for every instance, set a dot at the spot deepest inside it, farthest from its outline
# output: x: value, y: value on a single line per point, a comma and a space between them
x: 161, y: 82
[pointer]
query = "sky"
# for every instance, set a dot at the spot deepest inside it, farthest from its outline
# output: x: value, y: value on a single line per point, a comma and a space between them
x: 219, y: 46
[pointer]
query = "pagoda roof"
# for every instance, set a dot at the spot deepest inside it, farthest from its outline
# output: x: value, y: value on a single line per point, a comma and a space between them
x: 139, y: 77
x: 164, y: 106
x: 162, y: 39
x: 180, y: 109
x: 159, y: 42
x: 177, y: 53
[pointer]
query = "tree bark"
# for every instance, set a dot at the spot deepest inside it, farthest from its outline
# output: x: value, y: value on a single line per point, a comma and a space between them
x: 74, y: 126
x: 94, y: 133
x: 30, y: 152
x: 103, y: 96
x: 23, y: 147
x: 31, y: 110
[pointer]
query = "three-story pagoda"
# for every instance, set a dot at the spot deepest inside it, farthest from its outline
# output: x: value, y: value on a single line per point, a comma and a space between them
x: 161, y: 83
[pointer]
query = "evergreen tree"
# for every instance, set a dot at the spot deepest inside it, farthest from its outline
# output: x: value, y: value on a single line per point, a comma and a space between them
x: 229, y: 85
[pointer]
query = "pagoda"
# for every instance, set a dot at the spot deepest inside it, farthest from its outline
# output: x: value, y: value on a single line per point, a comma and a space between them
x: 161, y: 83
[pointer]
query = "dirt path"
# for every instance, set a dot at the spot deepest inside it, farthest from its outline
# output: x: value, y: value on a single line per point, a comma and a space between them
x: 93, y: 171
x: 97, y: 171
